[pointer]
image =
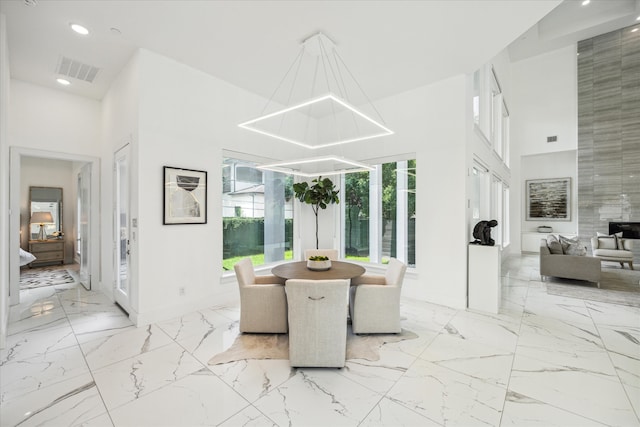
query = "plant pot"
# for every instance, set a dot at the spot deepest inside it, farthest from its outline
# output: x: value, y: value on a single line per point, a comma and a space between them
x: 319, y: 265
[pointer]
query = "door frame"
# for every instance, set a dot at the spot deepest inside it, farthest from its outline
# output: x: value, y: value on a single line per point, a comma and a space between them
x: 15, y: 155
x: 124, y: 300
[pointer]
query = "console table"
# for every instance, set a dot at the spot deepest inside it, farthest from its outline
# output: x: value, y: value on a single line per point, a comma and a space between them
x: 47, y: 251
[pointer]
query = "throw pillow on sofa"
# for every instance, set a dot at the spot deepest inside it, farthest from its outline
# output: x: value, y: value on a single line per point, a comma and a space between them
x: 613, y: 241
x: 572, y: 246
x: 554, y: 245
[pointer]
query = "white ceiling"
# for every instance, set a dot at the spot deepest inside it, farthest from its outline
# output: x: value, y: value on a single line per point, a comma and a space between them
x: 390, y: 46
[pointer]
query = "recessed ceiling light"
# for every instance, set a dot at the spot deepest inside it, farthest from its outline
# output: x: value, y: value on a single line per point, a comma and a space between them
x: 79, y: 29
x: 63, y: 82
x: 634, y: 30
x: 638, y: 18
x: 586, y: 2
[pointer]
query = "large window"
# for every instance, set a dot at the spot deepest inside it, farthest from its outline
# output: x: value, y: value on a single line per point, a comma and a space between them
x: 257, y: 214
x: 490, y: 112
x: 505, y: 133
x: 480, y: 197
x: 500, y: 212
x: 497, y: 210
x: 378, y: 210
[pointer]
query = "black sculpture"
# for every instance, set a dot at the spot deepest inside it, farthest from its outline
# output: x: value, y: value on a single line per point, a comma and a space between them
x: 482, y: 233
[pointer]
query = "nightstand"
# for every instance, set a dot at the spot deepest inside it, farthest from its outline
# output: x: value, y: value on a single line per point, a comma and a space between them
x: 47, y: 251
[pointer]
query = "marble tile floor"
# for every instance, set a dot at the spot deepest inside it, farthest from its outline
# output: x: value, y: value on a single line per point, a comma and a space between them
x: 74, y: 359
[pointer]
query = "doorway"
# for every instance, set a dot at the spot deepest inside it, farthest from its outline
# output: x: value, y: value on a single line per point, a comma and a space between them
x: 17, y: 154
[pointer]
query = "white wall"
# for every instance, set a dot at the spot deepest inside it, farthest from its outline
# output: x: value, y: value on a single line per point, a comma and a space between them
x: 553, y: 165
x: 4, y: 182
x: 52, y: 120
x: 430, y: 122
x: 40, y: 172
x: 119, y: 128
x: 71, y: 132
x: 186, y: 119
x: 545, y: 102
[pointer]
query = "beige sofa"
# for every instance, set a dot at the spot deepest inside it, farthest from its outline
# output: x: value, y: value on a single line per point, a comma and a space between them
x: 568, y: 266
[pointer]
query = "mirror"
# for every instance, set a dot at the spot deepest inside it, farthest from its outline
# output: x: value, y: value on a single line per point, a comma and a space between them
x: 46, y: 199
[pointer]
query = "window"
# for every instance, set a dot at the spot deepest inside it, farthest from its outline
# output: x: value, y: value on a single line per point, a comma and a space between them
x: 477, y: 90
x: 490, y: 113
x: 248, y: 174
x: 378, y: 211
x: 506, y: 239
x: 497, y: 210
x: 500, y: 212
x: 480, y: 196
x: 505, y: 133
x: 495, y: 119
x: 257, y: 214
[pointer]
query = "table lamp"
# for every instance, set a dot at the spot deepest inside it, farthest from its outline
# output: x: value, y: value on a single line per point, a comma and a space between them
x: 41, y: 218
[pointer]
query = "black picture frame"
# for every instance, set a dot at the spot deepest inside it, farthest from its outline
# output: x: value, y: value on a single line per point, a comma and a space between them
x: 549, y: 199
x: 184, y: 197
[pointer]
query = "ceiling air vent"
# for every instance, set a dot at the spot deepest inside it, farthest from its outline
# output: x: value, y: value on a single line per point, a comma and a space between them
x: 77, y: 70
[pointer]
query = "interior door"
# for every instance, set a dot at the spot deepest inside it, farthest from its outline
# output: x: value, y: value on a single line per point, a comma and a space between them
x: 84, y: 226
x: 122, y: 229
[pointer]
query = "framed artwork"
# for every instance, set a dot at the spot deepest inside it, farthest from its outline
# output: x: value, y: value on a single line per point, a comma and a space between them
x: 549, y: 199
x: 185, y: 196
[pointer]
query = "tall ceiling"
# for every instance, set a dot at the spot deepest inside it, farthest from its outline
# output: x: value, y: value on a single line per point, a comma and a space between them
x: 390, y: 46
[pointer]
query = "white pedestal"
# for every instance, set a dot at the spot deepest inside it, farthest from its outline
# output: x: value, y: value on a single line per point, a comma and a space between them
x: 484, y: 278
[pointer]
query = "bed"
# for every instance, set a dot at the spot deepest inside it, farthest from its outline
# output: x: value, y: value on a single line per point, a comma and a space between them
x: 26, y: 257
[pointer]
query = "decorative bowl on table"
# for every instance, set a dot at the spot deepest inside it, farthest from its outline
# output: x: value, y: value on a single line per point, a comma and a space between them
x: 319, y: 263
x: 545, y: 229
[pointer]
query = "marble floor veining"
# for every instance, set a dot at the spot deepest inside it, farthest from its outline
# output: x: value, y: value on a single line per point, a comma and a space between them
x: 74, y: 359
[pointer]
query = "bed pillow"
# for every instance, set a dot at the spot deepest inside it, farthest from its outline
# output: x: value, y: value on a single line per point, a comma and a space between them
x: 26, y: 257
x: 572, y: 246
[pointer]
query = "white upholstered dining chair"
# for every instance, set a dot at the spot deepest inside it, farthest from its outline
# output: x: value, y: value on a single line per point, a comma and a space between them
x: 263, y: 302
x: 317, y: 322
x: 374, y: 300
x: 332, y: 254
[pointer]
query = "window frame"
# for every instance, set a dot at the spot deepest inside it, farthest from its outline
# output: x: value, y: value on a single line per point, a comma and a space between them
x: 375, y: 213
x: 289, y: 212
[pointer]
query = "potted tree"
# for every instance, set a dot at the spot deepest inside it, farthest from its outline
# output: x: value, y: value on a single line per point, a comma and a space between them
x: 319, y: 195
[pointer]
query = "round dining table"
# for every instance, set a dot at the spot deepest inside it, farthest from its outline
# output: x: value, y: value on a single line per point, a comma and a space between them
x: 299, y: 270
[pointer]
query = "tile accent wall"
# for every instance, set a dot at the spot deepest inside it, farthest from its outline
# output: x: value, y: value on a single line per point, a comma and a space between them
x: 609, y: 132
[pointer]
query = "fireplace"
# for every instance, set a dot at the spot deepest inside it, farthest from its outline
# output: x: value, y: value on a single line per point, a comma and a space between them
x: 630, y: 230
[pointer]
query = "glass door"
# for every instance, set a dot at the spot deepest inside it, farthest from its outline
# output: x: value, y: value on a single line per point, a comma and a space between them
x: 122, y: 229
x: 84, y: 227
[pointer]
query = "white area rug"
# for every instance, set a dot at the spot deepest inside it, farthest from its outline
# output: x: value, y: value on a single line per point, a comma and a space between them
x: 617, y: 286
x: 45, y: 276
x: 276, y: 346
